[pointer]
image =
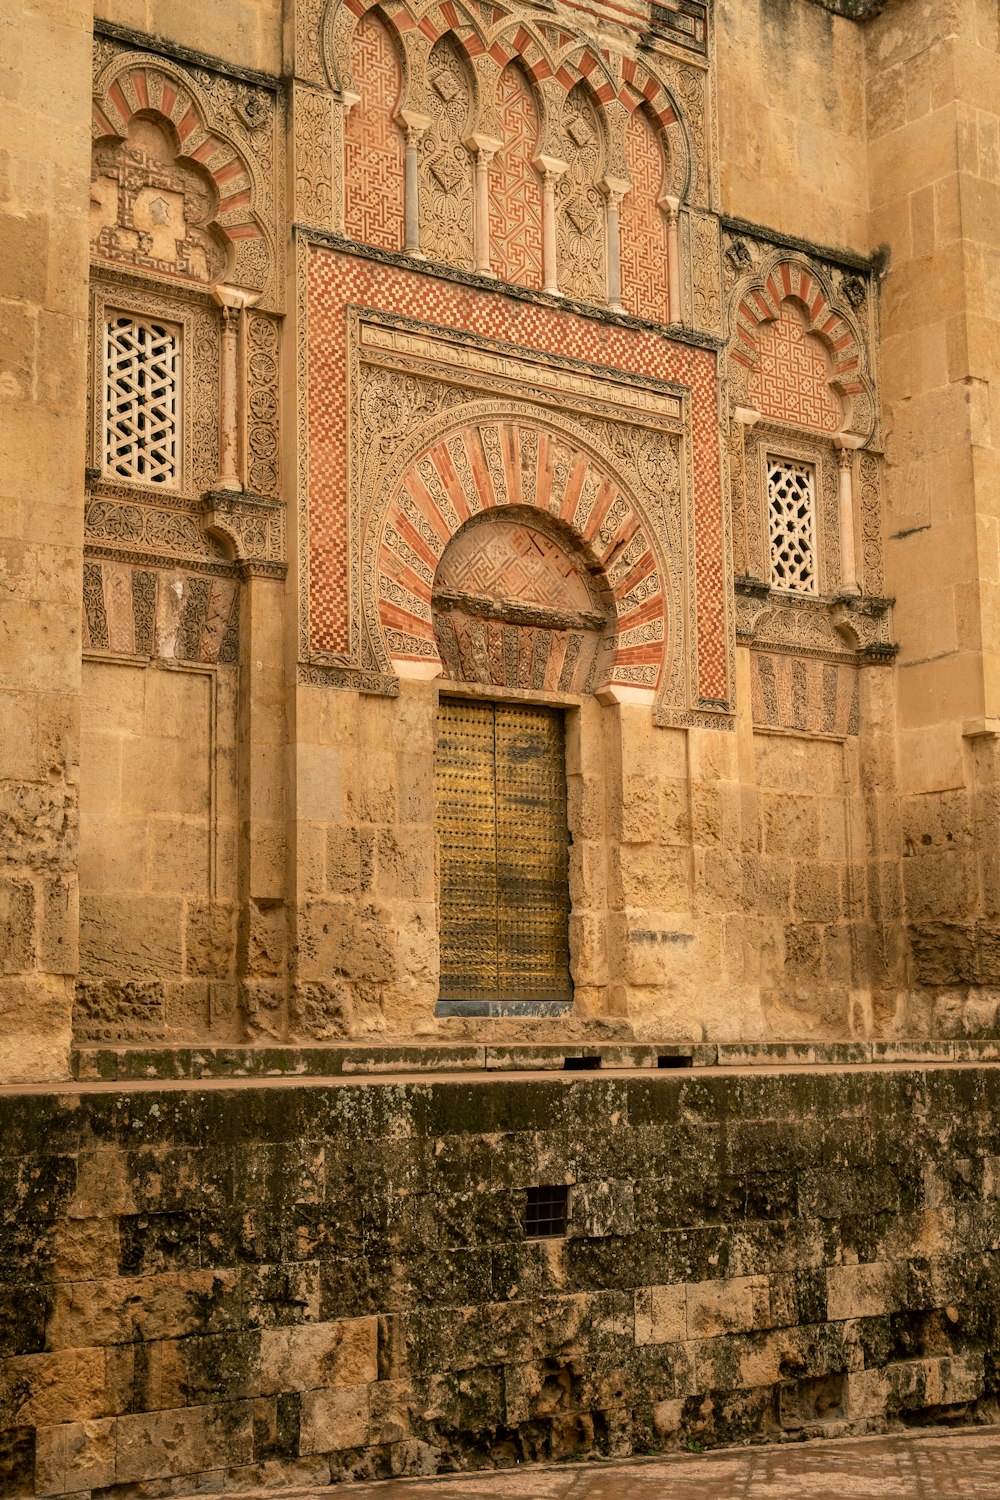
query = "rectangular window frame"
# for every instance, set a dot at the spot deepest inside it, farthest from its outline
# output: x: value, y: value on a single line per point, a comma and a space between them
x: 774, y: 457
x: 199, y: 381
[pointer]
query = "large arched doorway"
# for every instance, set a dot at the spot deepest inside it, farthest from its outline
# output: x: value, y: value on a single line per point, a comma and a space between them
x: 514, y: 608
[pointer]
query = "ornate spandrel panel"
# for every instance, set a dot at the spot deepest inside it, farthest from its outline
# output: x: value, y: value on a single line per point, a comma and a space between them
x: 580, y: 204
x: 446, y: 193
x: 434, y: 424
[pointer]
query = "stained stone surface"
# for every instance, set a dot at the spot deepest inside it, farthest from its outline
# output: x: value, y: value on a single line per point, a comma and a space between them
x: 229, y: 1284
x: 961, y: 1466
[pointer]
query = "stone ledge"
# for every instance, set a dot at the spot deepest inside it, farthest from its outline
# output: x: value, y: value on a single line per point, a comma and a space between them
x: 346, y: 1059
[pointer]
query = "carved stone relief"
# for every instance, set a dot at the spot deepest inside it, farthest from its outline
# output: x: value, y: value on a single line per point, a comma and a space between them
x: 812, y: 697
x: 263, y: 404
x: 164, y: 615
x: 580, y: 204
x: 187, y: 183
x: 870, y: 498
x: 312, y: 114
x: 150, y: 210
x: 446, y: 192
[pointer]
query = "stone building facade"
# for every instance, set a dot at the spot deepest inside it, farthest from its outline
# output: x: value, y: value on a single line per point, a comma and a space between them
x: 445, y: 370
x: 442, y: 390
x: 499, y: 576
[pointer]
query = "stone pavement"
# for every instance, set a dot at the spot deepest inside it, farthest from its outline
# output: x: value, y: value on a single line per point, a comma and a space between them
x: 928, y: 1466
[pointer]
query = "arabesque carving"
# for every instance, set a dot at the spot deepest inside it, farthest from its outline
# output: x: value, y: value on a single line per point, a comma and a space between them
x: 446, y: 191
x: 580, y: 207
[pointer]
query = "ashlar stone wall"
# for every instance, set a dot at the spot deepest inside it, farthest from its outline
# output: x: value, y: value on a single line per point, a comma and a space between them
x: 43, y: 177
x: 217, y: 1287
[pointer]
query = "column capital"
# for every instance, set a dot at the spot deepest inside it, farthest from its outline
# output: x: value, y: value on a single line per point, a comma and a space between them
x: 485, y: 146
x: 234, y: 299
x: 616, y: 188
x: 414, y: 124
x: 670, y: 206
x: 550, y: 167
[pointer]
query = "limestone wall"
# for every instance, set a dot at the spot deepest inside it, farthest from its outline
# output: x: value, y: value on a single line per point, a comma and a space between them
x: 157, y: 853
x: 43, y: 181
x: 248, y: 1285
x: 932, y: 105
x: 791, y: 111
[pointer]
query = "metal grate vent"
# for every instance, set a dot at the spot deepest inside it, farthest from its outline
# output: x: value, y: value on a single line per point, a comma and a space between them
x: 545, y: 1211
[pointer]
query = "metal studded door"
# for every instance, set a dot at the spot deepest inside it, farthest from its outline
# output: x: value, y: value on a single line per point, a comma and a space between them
x: 503, y: 851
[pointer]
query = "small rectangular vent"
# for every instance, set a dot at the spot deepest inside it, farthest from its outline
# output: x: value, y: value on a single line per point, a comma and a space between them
x: 581, y: 1064
x: 673, y: 1062
x: 545, y: 1211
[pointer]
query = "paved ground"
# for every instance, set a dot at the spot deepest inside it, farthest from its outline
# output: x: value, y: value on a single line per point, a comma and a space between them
x: 930, y: 1466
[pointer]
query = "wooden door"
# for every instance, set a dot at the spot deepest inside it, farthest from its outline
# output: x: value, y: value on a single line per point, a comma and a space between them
x: 503, y: 850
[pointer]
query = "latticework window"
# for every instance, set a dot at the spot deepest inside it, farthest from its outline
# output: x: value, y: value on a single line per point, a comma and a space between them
x: 791, y: 507
x: 142, y: 400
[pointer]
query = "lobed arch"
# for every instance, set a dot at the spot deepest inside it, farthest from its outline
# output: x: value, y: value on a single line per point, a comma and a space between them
x: 514, y: 38
x: 757, y: 301
x: 145, y: 87
x: 476, y: 459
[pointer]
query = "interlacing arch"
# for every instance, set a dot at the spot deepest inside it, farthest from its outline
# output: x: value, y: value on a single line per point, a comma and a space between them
x: 153, y: 88
x: 757, y: 302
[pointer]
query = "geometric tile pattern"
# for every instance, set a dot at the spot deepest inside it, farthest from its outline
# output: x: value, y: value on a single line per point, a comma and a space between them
x: 515, y: 189
x: 792, y: 380
x: 513, y: 562
x: 643, y: 226
x: 336, y: 280
x: 373, y: 142
x: 776, y: 325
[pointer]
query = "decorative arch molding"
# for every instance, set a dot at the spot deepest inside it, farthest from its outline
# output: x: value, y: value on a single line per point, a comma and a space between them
x: 135, y: 85
x: 756, y: 302
x: 476, y: 458
x: 553, y: 70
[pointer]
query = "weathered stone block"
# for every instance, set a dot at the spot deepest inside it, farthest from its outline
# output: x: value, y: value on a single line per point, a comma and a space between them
x: 320, y: 1355
x: 158, y: 1445
x: 334, y: 1419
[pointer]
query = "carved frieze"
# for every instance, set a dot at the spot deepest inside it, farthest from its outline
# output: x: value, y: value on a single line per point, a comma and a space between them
x: 165, y: 614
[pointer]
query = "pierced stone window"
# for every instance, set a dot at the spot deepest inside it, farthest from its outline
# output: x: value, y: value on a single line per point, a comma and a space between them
x: 142, y: 400
x: 791, y: 506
